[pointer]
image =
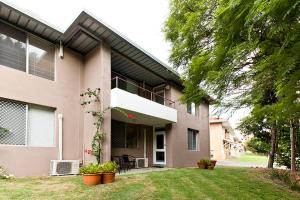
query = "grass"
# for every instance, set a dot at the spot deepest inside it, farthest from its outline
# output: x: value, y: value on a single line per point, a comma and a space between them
x: 251, y: 158
x: 221, y: 183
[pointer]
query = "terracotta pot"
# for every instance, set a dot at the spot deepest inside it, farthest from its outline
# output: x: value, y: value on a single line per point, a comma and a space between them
x: 91, y: 179
x: 213, y: 162
x: 108, y: 178
x: 201, y: 165
x: 210, y: 167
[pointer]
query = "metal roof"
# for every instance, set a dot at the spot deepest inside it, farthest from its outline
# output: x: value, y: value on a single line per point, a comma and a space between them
x: 85, y: 33
x: 21, y: 20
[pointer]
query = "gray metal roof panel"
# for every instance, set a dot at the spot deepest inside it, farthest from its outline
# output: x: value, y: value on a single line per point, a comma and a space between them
x: 95, y: 28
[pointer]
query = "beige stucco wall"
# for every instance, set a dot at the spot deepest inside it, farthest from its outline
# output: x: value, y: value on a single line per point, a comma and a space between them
x: 216, y: 141
x: 62, y: 94
x: 178, y: 154
x: 74, y: 74
x: 97, y: 74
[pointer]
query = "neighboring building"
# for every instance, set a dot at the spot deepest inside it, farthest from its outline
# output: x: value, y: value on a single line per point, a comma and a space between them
x: 223, y: 142
x: 43, y: 72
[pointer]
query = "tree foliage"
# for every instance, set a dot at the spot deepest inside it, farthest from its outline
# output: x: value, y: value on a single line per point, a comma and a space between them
x: 244, y: 53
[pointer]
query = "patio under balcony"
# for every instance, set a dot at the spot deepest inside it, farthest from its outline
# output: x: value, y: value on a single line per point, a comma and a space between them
x: 142, y: 113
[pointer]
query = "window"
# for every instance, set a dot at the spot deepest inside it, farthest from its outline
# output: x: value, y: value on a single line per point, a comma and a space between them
x: 27, y: 125
x: 131, y: 136
x: 192, y: 109
x: 124, y: 135
x: 12, y: 48
x: 40, y: 126
x: 41, y: 57
x: 13, y: 119
x: 159, y: 97
x: 192, y: 139
x: 13, y: 52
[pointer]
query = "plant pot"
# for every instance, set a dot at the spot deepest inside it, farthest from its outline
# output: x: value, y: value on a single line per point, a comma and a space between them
x: 91, y: 179
x: 108, y: 178
x: 213, y: 162
x: 201, y: 165
x: 210, y: 167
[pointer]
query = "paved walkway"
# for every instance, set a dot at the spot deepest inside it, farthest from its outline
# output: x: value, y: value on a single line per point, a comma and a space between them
x: 239, y: 164
x: 143, y: 170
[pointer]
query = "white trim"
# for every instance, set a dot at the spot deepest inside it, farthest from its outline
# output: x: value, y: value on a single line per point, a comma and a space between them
x: 158, y: 93
x: 145, y: 143
x: 27, y: 54
x: 60, y: 136
x: 26, y: 125
x: 155, y: 133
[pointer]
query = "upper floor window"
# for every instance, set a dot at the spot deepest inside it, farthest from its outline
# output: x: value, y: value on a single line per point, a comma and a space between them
x: 16, y: 46
x: 41, y: 57
x: 192, y: 109
x: 12, y: 48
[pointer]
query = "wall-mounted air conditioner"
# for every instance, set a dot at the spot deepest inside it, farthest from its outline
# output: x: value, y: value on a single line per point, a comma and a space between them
x: 64, y: 167
x: 141, y: 162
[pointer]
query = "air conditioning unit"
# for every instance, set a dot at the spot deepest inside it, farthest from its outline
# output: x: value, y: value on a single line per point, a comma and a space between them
x: 141, y: 162
x: 64, y: 167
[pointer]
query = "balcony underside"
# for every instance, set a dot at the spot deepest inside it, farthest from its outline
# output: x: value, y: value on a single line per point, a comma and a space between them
x: 141, y: 110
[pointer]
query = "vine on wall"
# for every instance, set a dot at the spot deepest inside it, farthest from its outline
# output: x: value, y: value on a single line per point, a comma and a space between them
x: 92, y: 96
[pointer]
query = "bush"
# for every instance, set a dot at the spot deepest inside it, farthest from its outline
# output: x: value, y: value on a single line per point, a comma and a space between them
x: 4, y: 174
x: 257, y: 145
x: 205, y: 161
x: 291, y: 179
x: 91, y: 169
x: 109, y: 167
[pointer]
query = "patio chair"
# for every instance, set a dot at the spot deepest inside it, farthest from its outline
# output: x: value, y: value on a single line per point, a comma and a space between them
x: 128, y: 161
x: 118, y: 160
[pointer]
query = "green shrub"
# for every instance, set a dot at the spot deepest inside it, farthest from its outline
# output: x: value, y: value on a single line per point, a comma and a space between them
x: 109, y: 167
x: 205, y: 161
x: 256, y: 145
x: 291, y: 179
x: 91, y: 169
x: 4, y: 174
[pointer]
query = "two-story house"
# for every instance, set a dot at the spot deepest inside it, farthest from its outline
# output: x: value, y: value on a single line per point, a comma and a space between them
x: 42, y: 73
x: 223, y: 142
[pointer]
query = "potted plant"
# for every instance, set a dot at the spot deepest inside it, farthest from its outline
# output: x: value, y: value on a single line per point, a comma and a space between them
x: 91, y: 174
x: 201, y: 164
x: 109, y: 171
x: 210, y: 165
x: 213, y: 162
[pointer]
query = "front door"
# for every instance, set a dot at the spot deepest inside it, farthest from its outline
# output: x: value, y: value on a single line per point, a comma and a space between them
x: 159, y: 148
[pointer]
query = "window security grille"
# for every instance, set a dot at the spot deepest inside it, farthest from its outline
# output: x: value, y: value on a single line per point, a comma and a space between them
x: 13, y: 118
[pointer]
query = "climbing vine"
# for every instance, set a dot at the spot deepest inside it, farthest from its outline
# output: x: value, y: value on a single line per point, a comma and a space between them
x: 92, y: 96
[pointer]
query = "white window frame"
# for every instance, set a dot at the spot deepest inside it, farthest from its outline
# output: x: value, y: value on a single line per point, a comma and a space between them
x: 26, y: 133
x: 196, y: 111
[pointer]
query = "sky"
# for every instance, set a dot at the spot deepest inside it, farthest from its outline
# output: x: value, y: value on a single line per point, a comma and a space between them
x: 139, y: 20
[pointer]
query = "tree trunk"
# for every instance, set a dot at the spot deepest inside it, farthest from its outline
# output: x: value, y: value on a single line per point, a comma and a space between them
x: 293, y: 147
x: 273, y: 147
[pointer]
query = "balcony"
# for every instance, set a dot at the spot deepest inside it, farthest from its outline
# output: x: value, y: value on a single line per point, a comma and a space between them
x: 145, y: 106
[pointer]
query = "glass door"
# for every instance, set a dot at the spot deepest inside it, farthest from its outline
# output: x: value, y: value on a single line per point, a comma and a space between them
x: 159, y: 147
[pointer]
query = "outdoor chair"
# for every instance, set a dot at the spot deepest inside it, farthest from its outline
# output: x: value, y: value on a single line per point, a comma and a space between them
x: 128, y: 161
x: 118, y: 160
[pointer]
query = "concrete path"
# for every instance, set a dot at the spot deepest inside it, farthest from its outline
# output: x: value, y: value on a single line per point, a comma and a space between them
x: 143, y: 170
x: 239, y: 164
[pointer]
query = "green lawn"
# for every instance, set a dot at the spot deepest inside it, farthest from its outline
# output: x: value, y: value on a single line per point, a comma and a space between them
x: 222, y: 183
x: 251, y: 158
